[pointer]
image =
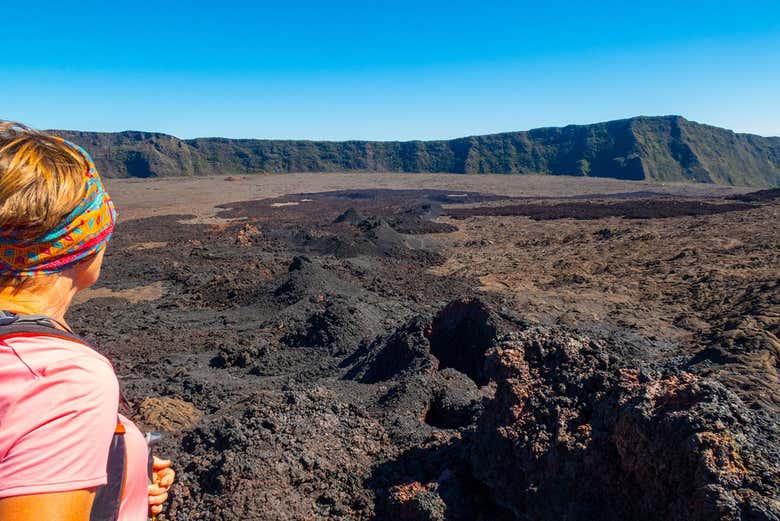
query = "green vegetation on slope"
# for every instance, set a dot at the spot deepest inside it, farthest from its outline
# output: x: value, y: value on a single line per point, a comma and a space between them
x: 667, y: 148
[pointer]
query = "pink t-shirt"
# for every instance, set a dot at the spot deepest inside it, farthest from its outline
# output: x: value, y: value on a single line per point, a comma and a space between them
x: 58, y: 413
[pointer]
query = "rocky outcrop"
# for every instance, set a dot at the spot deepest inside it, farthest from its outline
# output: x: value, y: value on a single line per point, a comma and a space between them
x: 616, y: 442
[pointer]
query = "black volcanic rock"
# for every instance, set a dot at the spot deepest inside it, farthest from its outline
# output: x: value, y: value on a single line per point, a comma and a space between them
x: 618, y: 442
x: 405, y: 351
x: 665, y: 149
x: 350, y: 216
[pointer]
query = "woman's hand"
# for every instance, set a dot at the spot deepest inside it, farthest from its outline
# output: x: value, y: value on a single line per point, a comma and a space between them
x: 162, y: 479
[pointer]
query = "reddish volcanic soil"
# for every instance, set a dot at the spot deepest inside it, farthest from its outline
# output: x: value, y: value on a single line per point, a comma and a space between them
x: 443, y: 347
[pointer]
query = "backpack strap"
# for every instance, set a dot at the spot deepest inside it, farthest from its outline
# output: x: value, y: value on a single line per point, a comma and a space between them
x: 12, y: 325
x: 108, y: 497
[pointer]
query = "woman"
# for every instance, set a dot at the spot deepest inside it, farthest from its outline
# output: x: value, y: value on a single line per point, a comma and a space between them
x: 58, y: 397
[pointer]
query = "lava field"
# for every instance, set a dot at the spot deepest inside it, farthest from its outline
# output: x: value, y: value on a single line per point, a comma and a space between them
x: 340, y: 356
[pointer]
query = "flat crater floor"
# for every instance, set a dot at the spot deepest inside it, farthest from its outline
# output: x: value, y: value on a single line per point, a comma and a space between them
x: 430, y: 347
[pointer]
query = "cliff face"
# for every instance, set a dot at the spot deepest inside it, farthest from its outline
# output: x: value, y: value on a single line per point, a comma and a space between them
x: 668, y: 148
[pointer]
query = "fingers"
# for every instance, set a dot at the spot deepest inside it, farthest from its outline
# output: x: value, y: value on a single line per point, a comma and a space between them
x: 165, y: 477
x: 155, y: 499
x: 159, y: 464
x: 155, y: 490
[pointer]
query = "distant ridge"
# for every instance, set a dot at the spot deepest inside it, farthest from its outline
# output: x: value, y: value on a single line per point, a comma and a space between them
x: 663, y: 148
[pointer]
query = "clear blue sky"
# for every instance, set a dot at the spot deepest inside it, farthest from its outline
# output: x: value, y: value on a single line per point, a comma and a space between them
x: 387, y: 70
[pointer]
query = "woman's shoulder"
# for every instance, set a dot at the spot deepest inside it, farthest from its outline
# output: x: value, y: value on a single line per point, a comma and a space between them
x: 53, y: 357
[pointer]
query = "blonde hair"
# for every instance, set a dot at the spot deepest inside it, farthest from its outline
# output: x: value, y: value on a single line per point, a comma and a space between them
x: 41, y: 180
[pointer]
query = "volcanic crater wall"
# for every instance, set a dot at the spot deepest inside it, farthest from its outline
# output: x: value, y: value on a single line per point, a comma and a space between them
x: 666, y: 149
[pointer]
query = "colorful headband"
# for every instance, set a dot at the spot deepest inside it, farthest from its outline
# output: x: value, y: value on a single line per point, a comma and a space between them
x: 83, y: 232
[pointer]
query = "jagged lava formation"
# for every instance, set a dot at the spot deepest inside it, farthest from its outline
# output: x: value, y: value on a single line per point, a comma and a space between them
x: 308, y: 363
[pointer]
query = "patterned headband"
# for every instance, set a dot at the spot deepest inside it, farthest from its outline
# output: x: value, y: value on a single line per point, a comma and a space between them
x: 83, y: 232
